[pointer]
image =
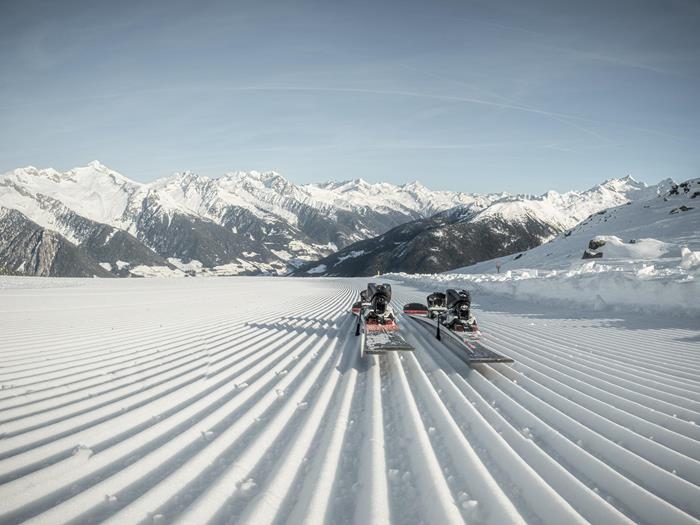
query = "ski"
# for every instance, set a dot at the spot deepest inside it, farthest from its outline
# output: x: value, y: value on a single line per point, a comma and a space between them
x: 449, y: 314
x: 376, y: 325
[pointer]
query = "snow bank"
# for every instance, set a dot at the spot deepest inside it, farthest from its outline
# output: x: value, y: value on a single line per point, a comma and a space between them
x: 635, y: 286
x: 616, y: 248
x: 689, y: 260
x: 644, y: 230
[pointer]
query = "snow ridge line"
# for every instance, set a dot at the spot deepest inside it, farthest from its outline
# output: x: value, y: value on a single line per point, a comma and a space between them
x: 111, y: 484
x: 645, y: 405
x: 612, y: 369
x: 459, y: 392
x: 441, y: 392
x: 147, y: 412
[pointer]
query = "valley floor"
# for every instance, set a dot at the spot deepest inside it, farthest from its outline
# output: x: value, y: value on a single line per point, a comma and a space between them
x: 245, y: 400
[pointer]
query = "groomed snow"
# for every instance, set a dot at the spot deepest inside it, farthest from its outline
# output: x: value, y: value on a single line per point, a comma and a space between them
x: 245, y: 400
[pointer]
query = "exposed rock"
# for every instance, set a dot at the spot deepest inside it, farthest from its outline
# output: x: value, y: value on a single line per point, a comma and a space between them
x: 589, y: 254
x: 594, y: 244
x: 680, y: 209
x: 28, y: 249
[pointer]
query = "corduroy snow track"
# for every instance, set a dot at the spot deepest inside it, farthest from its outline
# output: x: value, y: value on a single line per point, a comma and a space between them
x: 245, y: 400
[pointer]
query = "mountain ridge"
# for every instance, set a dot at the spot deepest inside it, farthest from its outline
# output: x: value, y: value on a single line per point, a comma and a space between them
x: 472, y: 233
x: 258, y: 221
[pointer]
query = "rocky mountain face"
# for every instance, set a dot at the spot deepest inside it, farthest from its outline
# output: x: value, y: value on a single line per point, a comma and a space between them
x: 116, y: 249
x: 28, y: 249
x: 246, y: 223
x: 444, y: 241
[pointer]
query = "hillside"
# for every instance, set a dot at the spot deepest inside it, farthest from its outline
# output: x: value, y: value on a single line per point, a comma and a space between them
x: 652, y: 229
x: 443, y: 241
x: 643, y: 256
x: 28, y: 249
x: 475, y: 232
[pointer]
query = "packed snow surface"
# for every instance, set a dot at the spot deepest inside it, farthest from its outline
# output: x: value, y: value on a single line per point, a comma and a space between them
x: 245, y: 400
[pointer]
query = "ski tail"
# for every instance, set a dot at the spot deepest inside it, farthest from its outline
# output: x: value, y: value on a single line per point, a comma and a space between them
x: 379, y: 338
x: 415, y: 309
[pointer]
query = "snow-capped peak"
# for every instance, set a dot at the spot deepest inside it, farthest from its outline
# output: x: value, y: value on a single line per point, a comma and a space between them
x: 97, y: 165
x: 624, y: 185
x: 184, y: 178
x: 237, y: 199
x: 414, y: 186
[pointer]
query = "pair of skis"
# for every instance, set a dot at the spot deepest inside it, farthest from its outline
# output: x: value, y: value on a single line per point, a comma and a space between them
x: 377, y: 339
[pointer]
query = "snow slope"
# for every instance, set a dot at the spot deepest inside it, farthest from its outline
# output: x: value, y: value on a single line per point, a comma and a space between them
x: 565, y: 210
x: 408, y: 198
x: 650, y: 260
x: 654, y: 223
x: 198, y: 400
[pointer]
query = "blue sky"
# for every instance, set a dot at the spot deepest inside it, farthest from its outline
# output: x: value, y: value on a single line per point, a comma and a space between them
x: 466, y: 95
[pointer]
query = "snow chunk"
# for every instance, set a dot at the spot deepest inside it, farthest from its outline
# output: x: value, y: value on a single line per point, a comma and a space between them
x: 689, y: 260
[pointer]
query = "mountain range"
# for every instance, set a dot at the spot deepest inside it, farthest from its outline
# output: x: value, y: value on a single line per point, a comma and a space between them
x: 475, y: 232
x: 93, y: 220
x: 654, y: 228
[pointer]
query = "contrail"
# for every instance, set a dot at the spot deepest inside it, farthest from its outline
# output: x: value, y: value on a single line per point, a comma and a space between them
x: 387, y: 92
